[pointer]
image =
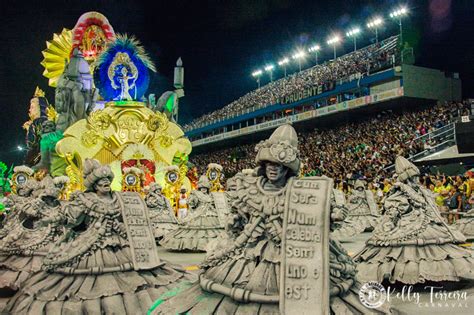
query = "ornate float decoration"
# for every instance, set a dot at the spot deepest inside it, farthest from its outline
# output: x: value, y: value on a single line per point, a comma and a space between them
x: 56, y: 55
x: 126, y: 133
x: 90, y: 35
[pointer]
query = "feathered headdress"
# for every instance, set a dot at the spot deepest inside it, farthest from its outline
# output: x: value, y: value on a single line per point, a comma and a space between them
x: 124, y: 63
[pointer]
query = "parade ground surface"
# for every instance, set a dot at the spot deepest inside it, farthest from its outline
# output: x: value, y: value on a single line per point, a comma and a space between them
x: 406, y: 299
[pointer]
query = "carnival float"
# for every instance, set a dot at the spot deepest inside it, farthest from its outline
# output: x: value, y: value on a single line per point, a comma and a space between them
x: 101, y: 111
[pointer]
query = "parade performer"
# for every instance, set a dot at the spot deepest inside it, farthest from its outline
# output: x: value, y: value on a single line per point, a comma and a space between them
x: 161, y: 215
x: 22, y: 250
x: 201, y: 226
x: 182, y: 203
x: 245, y: 278
x: 466, y: 224
x: 412, y: 243
x: 362, y: 207
x: 99, y: 266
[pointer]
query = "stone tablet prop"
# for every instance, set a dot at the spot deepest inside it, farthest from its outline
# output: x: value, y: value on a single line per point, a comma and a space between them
x: 371, y: 202
x: 139, y: 232
x: 222, y: 207
x: 339, y: 198
x: 304, y: 285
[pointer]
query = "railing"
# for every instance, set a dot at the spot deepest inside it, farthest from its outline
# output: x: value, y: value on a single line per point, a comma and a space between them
x: 444, y: 138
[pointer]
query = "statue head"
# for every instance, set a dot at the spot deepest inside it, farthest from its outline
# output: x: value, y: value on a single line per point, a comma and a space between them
x: 102, y: 186
x: 278, y: 156
x: 359, y: 185
x: 97, y: 177
x: 155, y: 188
x: 35, y: 111
x: 48, y: 126
x: 203, y: 184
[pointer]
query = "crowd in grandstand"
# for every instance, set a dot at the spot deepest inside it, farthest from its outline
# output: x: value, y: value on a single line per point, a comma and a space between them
x: 453, y: 193
x: 354, y: 150
x: 363, y: 61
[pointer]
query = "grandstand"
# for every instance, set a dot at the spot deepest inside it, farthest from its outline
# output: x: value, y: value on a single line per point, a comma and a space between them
x: 370, y: 92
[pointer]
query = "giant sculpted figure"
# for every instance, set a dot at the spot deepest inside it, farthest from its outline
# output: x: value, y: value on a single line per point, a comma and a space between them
x: 245, y: 277
x: 75, y: 94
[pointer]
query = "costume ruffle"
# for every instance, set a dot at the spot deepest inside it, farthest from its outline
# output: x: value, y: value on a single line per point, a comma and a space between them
x: 466, y: 226
x: 412, y: 264
x: 124, y: 292
x: 195, y: 234
x: 15, y: 269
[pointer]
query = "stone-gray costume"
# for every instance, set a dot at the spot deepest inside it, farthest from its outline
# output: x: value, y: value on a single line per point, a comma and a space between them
x: 412, y: 243
x: 466, y: 224
x: 342, y: 226
x: 161, y: 215
x: 200, y: 227
x: 362, y: 207
x: 245, y: 278
x: 92, y: 269
x: 37, y: 225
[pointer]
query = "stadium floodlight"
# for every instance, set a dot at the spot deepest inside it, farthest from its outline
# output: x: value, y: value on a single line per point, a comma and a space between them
x: 399, y: 14
x: 374, y: 23
x: 283, y: 63
x: 315, y: 49
x: 333, y: 41
x: 353, y: 33
x: 269, y: 69
x: 256, y: 74
x: 299, y: 55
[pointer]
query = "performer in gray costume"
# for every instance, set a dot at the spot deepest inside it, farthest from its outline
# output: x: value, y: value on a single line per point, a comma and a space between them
x: 161, y: 215
x: 201, y: 226
x: 107, y: 261
x: 245, y: 277
x: 412, y: 243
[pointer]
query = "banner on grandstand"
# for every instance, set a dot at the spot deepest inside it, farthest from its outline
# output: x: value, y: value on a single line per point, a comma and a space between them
x: 361, y: 101
x: 308, y: 92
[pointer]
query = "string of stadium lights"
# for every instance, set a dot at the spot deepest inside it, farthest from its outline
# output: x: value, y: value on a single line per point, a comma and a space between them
x: 373, y: 24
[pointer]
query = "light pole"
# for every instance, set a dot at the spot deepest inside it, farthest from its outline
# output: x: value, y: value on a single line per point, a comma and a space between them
x: 315, y: 49
x: 354, y: 33
x: 333, y: 41
x: 283, y: 63
x: 299, y: 56
x: 374, y: 24
x: 269, y: 69
x: 398, y: 14
x: 256, y: 74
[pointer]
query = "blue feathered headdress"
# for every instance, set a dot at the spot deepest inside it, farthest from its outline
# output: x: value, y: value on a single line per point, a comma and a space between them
x: 122, y: 70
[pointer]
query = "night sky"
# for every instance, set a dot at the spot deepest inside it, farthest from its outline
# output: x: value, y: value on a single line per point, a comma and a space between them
x: 221, y: 43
